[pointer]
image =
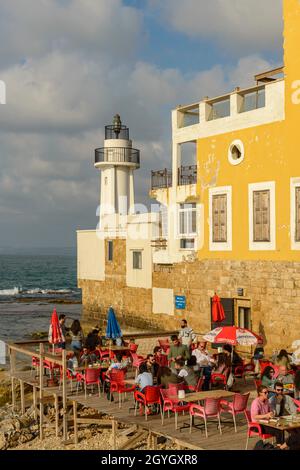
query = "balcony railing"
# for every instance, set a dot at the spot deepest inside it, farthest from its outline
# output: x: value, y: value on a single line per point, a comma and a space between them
x: 187, y: 175
x: 117, y: 155
x: 110, y: 133
x: 163, y: 178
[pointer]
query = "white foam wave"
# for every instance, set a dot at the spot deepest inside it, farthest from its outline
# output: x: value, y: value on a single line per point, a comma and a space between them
x: 20, y: 291
x: 14, y: 291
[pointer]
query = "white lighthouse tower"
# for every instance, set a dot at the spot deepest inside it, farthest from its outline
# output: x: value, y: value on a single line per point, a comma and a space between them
x: 117, y: 160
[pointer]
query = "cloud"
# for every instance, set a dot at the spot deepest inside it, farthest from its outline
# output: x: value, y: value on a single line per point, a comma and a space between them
x: 64, y: 84
x: 238, y: 26
x: 92, y: 28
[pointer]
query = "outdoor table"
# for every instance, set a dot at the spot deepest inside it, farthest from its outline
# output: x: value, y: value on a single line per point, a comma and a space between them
x: 130, y: 381
x: 283, y: 423
x: 93, y: 366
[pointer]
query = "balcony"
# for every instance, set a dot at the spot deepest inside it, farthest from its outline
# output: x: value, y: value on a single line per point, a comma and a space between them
x: 117, y: 155
x: 161, y: 179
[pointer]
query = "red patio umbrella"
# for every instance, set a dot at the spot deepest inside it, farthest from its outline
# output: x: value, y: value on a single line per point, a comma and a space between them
x: 55, y: 334
x: 218, y: 313
x: 232, y: 335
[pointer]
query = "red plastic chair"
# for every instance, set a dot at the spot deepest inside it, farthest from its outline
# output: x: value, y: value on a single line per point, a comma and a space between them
x: 297, y: 403
x: 173, y: 388
x: 219, y: 378
x: 198, y: 387
x: 117, y: 384
x: 162, y: 360
x: 254, y: 429
x: 136, y: 361
x: 35, y: 364
x: 235, y: 407
x: 238, y: 372
x: 263, y: 364
x: 211, y: 409
x: 165, y: 345
x: 171, y: 403
x: 104, y: 354
x: 257, y: 383
x: 151, y: 396
x: 133, y: 347
x: 90, y: 377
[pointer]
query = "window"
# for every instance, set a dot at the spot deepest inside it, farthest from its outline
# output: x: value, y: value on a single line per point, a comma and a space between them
x: 187, y: 219
x: 236, y: 152
x: 219, y: 209
x: 254, y: 100
x: 220, y: 219
x: 137, y: 259
x: 110, y: 247
x: 295, y: 213
x: 187, y: 243
x: 261, y: 216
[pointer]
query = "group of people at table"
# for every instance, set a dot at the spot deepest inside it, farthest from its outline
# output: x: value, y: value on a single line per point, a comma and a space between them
x: 188, y: 360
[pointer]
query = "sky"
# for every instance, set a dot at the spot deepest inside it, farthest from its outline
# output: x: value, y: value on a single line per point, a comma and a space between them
x: 70, y: 65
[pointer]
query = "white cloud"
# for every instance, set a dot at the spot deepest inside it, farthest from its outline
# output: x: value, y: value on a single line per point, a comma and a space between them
x: 245, y: 26
x: 64, y: 92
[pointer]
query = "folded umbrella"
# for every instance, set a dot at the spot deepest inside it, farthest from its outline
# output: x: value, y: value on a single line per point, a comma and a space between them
x: 218, y: 314
x: 113, y: 329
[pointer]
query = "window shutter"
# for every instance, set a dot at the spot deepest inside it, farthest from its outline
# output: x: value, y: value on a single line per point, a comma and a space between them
x: 219, y: 211
x: 261, y: 216
x: 297, y: 239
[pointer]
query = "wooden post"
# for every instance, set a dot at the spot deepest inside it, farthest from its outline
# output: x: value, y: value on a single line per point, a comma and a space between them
x: 154, y: 442
x: 22, y: 397
x: 34, y: 396
x: 114, y: 433
x: 75, y: 422
x: 64, y: 380
x: 13, y: 395
x: 56, y: 415
x: 41, y: 359
x: 12, y: 360
x: 149, y: 441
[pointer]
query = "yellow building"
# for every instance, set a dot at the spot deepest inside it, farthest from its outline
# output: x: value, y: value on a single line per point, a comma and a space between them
x: 229, y: 221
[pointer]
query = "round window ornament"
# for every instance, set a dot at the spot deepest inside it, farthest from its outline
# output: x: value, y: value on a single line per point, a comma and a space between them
x: 236, y: 152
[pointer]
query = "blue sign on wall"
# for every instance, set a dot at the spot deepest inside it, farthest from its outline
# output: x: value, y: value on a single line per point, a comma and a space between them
x: 180, y: 302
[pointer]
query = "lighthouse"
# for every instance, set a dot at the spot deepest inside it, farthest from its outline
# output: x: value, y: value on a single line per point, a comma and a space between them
x: 117, y: 161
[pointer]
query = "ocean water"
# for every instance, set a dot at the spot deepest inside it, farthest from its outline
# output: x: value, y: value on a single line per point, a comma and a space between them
x: 37, y: 277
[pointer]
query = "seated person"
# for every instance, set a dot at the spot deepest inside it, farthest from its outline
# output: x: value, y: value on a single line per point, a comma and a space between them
x: 72, y: 362
x: 284, y: 377
x: 93, y: 340
x: 145, y: 378
x: 86, y: 357
x: 267, y: 378
x: 236, y: 359
x: 258, y: 353
x: 152, y: 365
x: 297, y: 385
x: 165, y: 376
x: 185, y: 373
x: 293, y: 440
x: 261, y: 409
x: 282, y: 405
x: 117, y: 363
x: 283, y: 359
x: 178, y: 350
x: 192, y: 362
x: 204, y: 359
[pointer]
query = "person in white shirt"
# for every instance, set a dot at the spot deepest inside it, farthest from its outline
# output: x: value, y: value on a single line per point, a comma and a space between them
x: 186, y: 334
x: 202, y: 356
x: 205, y: 361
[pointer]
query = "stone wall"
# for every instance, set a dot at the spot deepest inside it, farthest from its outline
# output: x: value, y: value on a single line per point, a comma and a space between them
x: 273, y: 288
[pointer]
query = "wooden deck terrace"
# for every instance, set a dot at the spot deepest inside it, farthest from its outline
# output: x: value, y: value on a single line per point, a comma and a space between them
x: 109, y: 414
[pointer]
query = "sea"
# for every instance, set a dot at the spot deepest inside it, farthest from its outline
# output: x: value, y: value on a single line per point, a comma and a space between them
x: 31, y: 282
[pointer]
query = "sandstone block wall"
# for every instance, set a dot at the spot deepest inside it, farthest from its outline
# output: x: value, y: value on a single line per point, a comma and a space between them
x: 273, y: 288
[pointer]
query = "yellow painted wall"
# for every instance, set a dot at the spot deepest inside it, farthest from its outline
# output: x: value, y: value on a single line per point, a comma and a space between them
x: 272, y: 153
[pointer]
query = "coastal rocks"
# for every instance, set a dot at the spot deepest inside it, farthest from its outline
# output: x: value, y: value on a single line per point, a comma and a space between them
x: 16, y: 430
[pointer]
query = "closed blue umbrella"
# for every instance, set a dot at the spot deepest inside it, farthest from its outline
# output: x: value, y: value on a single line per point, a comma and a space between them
x: 113, y: 329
